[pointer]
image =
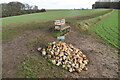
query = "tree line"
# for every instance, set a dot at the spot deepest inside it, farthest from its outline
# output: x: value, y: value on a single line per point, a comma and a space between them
x: 107, y: 5
x: 18, y: 8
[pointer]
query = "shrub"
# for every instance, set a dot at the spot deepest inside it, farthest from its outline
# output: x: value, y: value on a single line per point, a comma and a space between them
x: 15, y: 13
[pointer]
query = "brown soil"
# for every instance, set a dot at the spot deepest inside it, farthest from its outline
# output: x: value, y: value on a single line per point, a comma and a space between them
x: 15, y: 51
x: 103, y: 58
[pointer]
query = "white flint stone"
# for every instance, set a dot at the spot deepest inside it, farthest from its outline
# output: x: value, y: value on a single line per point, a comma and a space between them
x: 43, y: 52
x: 70, y: 70
x: 58, y: 63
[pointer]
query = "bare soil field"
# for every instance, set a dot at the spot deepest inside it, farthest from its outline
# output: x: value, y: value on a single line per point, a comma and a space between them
x: 103, y: 58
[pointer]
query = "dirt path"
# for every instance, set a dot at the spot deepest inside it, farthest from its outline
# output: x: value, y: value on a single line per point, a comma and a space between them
x: 15, y: 51
x: 103, y: 58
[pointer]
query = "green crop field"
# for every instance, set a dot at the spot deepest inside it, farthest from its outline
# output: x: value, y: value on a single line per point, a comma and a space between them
x: 46, y: 16
x: 107, y: 29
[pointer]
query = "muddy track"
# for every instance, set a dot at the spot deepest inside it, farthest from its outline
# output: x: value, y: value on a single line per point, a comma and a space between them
x: 103, y: 58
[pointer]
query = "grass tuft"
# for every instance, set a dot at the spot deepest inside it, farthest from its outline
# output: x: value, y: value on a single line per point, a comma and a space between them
x: 34, y: 67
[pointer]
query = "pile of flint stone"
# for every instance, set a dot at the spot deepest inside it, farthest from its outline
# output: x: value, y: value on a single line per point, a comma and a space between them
x: 67, y: 56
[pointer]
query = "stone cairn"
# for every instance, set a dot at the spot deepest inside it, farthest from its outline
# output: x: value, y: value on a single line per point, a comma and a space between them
x: 65, y: 55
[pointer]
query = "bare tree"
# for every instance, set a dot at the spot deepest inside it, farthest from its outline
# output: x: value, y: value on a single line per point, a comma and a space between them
x: 35, y: 7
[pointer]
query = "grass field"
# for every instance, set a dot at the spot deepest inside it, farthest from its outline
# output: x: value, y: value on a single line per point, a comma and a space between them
x: 46, y: 16
x: 15, y: 25
x: 107, y: 29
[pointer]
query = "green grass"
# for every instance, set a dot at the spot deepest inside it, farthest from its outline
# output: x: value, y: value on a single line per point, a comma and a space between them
x: 58, y: 33
x: 107, y: 29
x: 16, y: 25
x: 45, y: 16
x: 11, y: 32
x: 83, y: 26
x: 38, y: 67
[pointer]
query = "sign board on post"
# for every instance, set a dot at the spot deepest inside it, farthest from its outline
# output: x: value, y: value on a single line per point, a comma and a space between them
x: 60, y: 22
x: 57, y: 22
x: 63, y: 21
x: 61, y: 37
